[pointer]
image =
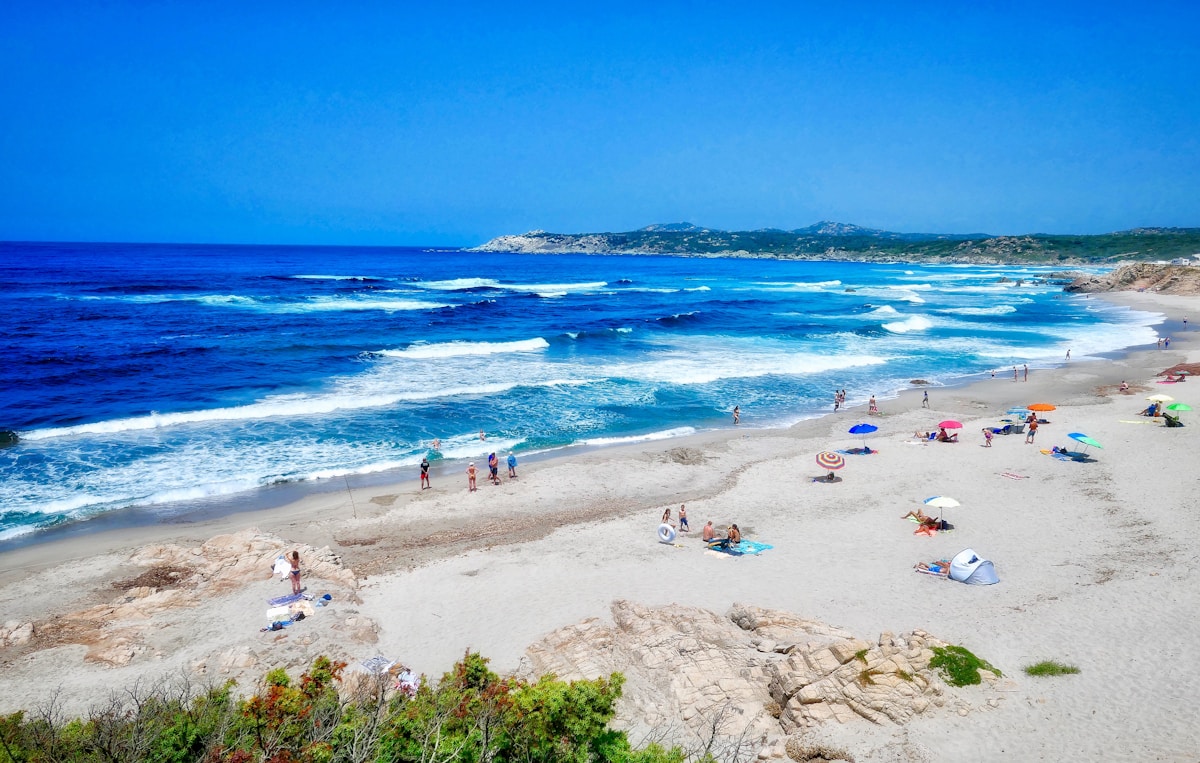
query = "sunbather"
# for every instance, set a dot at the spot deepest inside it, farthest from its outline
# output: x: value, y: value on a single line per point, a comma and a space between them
x: 940, y: 568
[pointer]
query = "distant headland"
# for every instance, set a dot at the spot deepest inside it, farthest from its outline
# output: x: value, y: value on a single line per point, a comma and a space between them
x: 841, y: 241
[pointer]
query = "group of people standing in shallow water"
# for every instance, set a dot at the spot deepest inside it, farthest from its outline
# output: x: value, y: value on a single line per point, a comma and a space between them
x: 472, y: 471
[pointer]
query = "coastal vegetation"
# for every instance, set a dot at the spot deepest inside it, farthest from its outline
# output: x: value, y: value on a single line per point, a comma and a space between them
x: 470, y: 715
x: 1050, y: 668
x: 838, y: 241
x: 959, y: 665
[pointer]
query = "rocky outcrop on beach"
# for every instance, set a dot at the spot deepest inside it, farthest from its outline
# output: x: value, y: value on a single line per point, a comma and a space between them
x: 751, y: 675
x: 1142, y: 276
x: 171, y: 581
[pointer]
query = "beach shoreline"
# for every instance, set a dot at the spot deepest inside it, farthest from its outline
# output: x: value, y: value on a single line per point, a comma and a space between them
x: 442, y: 570
x: 286, y: 504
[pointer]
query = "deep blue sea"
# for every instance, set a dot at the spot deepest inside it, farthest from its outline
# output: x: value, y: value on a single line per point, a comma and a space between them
x: 164, y: 375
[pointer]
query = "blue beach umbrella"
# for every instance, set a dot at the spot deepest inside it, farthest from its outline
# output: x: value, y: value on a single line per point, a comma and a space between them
x: 864, y: 430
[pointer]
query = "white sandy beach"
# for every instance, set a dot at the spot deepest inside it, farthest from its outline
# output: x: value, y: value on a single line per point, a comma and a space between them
x: 1097, y: 561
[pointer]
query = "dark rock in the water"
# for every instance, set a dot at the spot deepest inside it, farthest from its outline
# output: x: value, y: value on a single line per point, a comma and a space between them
x: 917, y: 382
x: 8, y: 437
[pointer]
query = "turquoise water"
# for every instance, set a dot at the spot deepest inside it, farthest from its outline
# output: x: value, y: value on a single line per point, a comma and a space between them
x: 169, y: 376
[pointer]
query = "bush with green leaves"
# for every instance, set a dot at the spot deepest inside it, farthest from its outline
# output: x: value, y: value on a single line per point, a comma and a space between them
x: 471, y: 715
x: 959, y: 665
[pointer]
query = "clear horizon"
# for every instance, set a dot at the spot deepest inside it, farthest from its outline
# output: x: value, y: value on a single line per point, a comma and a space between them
x: 448, y: 126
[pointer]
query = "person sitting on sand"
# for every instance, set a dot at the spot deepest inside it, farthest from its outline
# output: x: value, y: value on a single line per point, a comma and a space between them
x: 1151, y: 410
x: 1124, y: 386
x: 831, y: 477
x: 709, y: 533
x: 943, y: 436
x: 735, y: 535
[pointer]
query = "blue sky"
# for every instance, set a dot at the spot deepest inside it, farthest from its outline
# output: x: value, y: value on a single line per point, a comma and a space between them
x: 397, y: 123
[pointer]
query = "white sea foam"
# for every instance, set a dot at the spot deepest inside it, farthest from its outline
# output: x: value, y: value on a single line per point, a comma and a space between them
x: 884, y: 310
x: 319, y: 304
x: 339, y: 278
x: 996, y: 310
x: 914, y: 323
x: 455, y: 349
x: 458, y: 284
x: 297, y: 405
x: 891, y: 293
x: 665, y: 434
x: 698, y: 288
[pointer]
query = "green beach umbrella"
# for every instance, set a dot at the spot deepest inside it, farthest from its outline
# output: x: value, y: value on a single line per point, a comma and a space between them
x: 1080, y: 437
x: 1179, y: 407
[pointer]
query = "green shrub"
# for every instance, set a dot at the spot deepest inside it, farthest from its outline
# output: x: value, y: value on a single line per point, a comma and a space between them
x: 1050, y: 668
x: 959, y: 665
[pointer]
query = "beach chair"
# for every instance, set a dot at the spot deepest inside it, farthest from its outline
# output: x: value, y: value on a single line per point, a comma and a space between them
x: 1171, y: 421
x: 1017, y: 428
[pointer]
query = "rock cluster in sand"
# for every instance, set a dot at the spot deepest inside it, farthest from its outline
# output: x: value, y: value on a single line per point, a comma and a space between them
x: 180, y: 578
x: 756, y: 673
x: 1142, y: 276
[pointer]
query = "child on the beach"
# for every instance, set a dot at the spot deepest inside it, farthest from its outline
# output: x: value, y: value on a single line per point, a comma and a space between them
x: 987, y: 437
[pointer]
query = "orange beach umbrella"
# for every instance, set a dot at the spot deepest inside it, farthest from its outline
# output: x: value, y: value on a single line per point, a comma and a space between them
x: 1041, y: 407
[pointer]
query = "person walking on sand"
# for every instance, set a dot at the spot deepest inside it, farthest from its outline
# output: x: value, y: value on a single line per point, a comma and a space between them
x: 425, y: 473
x: 1026, y: 372
x: 737, y: 415
x: 295, y: 572
x: 1068, y: 354
x: 1031, y: 431
x: 925, y: 399
x: 1014, y: 373
x: 683, y: 523
x: 987, y: 437
x: 872, y: 407
x: 512, y: 465
x: 471, y: 476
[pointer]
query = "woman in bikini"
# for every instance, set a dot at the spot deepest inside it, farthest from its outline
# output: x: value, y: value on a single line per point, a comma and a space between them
x: 295, y: 572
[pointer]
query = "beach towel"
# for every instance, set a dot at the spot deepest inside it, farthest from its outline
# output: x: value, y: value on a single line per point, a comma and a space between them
x: 929, y: 530
x: 745, y: 548
x: 1012, y: 475
x: 1059, y: 456
x: 377, y: 665
x: 280, y: 601
x: 858, y: 451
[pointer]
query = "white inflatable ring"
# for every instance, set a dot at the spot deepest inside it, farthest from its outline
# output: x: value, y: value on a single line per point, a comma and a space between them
x: 666, y: 533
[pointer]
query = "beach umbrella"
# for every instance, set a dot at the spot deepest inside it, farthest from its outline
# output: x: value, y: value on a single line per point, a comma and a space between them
x: 829, y: 460
x: 1160, y: 398
x: 864, y: 430
x: 1179, y: 407
x: 1080, y: 437
x: 1040, y: 407
x: 950, y: 424
x: 941, y: 503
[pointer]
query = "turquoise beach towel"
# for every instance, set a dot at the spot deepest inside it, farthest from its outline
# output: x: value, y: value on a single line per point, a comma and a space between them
x: 745, y: 548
